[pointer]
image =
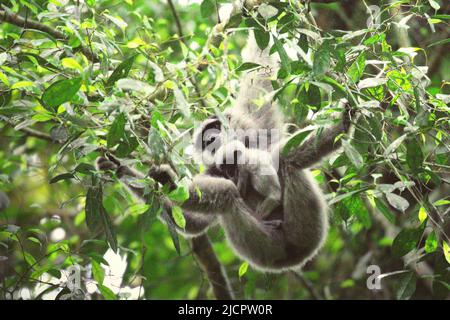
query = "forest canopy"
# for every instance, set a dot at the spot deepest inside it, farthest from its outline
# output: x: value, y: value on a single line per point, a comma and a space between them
x: 81, y: 79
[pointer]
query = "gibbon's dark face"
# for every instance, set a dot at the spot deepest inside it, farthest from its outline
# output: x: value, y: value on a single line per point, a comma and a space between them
x: 210, y: 134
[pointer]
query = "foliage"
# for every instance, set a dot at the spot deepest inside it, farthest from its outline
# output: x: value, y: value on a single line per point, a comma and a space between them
x: 124, y: 78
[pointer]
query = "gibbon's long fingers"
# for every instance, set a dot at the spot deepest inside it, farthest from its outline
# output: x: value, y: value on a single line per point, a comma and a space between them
x: 314, y: 149
x: 195, y: 225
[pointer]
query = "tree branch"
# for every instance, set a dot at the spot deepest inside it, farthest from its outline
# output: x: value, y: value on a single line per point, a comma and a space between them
x: 204, y: 253
x: 177, y: 20
x: 37, y: 134
x: 19, y: 21
x: 307, y: 284
x: 183, y: 39
x: 30, y: 132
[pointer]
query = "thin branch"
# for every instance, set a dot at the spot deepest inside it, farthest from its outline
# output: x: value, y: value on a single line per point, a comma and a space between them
x: 177, y: 20
x: 307, y: 284
x: 183, y: 39
x: 31, y: 132
x: 37, y: 134
x: 19, y: 21
x: 204, y: 254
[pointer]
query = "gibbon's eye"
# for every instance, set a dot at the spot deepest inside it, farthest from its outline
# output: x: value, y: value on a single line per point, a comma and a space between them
x: 209, y: 139
x: 210, y: 131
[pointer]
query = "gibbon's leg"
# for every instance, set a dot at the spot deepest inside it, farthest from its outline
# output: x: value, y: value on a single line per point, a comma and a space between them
x: 268, y: 185
x: 262, y: 243
x: 312, y: 150
x: 195, y: 224
x: 267, y: 206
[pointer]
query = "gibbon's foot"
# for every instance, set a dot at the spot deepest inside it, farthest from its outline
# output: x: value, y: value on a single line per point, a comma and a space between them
x: 262, y: 213
x: 104, y: 164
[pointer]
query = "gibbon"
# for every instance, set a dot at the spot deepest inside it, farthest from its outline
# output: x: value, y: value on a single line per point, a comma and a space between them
x: 288, y: 231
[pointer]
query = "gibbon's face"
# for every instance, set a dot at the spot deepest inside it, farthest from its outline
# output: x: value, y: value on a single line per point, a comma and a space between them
x: 208, y: 140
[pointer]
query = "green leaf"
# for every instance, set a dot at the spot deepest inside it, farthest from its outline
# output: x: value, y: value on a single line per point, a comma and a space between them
x: 285, y: 60
x: 243, y: 269
x: 262, y: 38
x: 109, y: 229
x: 22, y: 84
x: 180, y: 194
x: 322, y: 60
x: 60, y: 92
x: 5, y: 97
x: 295, y: 141
x: 394, y: 145
x: 406, y: 241
x: 441, y: 16
x: 431, y: 243
x: 92, y: 208
x: 356, y: 70
x: 122, y: 71
x: 234, y: 21
x: 97, y: 219
x: 29, y: 258
x: 126, y: 146
x: 446, y: 249
x: 353, y: 154
x: 247, y: 66
x: 117, y: 130
x: 172, y: 229
x: 71, y: 63
x: 385, y: 211
x: 4, y: 79
x: 35, y: 240
x: 357, y: 208
x: 406, y: 286
x: 422, y: 214
x: 85, y: 168
x: 106, y: 292
x: 414, y: 155
x: 97, y: 271
x: 63, y: 176
x: 178, y: 217
x: 207, y: 8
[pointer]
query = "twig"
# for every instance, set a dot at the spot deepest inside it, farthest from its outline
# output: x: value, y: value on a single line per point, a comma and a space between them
x: 183, y: 39
x: 177, y: 20
x: 31, y: 132
x: 19, y: 21
x: 37, y: 134
x: 307, y: 284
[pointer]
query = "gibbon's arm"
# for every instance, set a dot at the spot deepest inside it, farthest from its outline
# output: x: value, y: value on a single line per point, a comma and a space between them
x: 314, y: 149
x: 207, y: 195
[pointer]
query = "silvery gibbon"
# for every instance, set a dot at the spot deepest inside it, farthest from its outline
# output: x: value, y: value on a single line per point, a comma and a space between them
x: 275, y: 222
